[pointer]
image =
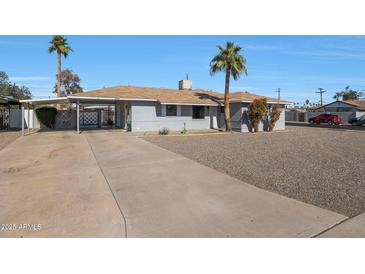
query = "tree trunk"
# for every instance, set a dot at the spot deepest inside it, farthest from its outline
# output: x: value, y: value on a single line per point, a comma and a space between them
x: 227, y: 112
x: 59, y: 75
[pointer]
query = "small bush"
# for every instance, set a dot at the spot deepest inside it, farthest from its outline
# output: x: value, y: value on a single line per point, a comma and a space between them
x: 47, y: 116
x: 164, y: 131
x: 274, y: 116
x: 256, y: 111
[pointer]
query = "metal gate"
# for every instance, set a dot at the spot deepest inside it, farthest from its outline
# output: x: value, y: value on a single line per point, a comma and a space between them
x: 89, y: 119
x: 108, y: 117
x: 4, y: 119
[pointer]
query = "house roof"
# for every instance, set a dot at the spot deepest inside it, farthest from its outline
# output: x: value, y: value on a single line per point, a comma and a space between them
x: 165, y: 96
x: 360, y: 104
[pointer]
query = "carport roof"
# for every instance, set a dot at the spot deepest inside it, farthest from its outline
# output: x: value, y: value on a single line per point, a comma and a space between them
x: 8, y: 100
x: 45, y: 101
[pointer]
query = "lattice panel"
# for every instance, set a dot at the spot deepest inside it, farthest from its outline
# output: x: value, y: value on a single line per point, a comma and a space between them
x: 4, y: 118
x: 64, y: 119
x: 88, y: 118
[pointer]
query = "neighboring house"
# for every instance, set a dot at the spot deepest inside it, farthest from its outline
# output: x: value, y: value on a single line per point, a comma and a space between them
x: 345, y: 109
x: 151, y: 109
x: 342, y: 106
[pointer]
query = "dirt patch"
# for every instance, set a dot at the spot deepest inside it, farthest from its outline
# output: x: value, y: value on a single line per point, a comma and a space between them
x: 16, y: 169
x: 7, y: 137
x: 54, y: 153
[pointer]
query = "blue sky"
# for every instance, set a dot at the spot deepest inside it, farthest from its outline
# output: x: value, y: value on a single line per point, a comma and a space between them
x: 299, y: 65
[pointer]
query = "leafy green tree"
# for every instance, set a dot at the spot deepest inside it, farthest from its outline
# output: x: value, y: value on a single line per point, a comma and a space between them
x: 11, y: 89
x: 348, y: 94
x: 232, y: 63
x: 4, y: 83
x: 256, y: 111
x: 70, y: 83
x: 60, y: 45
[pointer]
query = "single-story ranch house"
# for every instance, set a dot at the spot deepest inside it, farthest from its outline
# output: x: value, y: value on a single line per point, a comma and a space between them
x: 345, y: 109
x: 343, y: 106
x: 151, y: 109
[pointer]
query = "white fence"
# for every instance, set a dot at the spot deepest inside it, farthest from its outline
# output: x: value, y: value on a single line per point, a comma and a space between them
x: 16, y: 119
x: 64, y: 120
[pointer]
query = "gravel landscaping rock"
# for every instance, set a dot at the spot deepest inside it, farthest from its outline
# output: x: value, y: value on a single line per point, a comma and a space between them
x: 320, y: 166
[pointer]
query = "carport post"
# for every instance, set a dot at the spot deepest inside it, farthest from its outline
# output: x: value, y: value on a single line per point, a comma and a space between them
x: 22, y: 120
x: 78, y: 117
x: 9, y: 117
x: 28, y: 124
x: 33, y: 108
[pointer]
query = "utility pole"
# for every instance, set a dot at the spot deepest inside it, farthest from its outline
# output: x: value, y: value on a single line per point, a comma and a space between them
x: 278, y: 91
x: 321, y: 91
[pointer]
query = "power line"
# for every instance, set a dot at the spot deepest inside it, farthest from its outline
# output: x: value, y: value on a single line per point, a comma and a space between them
x: 278, y: 91
x: 321, y: 91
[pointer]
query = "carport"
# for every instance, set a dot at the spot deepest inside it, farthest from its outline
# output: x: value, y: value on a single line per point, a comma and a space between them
x: 97, y: 101
x: 30, y: 104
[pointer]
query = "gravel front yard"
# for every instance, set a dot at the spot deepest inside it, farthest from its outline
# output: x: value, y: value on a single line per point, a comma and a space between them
x: 324, y: 167
x: 6, y: 137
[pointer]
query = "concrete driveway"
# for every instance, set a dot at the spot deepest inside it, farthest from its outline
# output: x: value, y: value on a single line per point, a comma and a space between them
x: 111, y: 184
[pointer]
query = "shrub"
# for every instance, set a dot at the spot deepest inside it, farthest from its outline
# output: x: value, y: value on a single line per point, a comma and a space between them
x: 164, y: 131
x: 274, y: 117
x: 47, y: 116
x: 256, y: 111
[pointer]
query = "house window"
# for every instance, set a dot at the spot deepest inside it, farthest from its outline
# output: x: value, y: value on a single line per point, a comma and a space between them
x: 198, y: 112
x: 222, y: 109
x: 171, y: 110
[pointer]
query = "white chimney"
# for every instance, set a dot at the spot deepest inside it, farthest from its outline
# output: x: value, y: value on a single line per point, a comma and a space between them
x: 186, y: 84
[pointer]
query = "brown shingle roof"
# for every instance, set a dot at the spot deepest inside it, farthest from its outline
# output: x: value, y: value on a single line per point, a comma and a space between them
x: 360, y: 104
x: 163, y: 95
x: 357, y: 103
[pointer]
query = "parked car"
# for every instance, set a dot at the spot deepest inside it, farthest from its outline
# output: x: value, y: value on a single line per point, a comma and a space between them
x: 326, y: 118
x: 357, y: 121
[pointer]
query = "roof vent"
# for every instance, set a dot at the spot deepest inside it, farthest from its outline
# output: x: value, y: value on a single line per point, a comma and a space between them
x: 186, y: 84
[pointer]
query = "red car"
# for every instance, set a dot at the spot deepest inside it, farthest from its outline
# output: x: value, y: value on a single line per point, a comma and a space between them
x: 326, y: 118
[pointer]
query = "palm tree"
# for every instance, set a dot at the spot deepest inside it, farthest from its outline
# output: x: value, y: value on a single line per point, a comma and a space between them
x: 230, y: 61
x: 338, y: 95
x: 59, y: 43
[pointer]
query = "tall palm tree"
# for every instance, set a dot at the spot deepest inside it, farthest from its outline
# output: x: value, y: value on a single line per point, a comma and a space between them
x: 59, y: 43
x: 230, y: 61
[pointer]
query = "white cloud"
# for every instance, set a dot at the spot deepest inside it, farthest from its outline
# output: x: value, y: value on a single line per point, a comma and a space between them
x: 29, y: 78
x: 330, y: 54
